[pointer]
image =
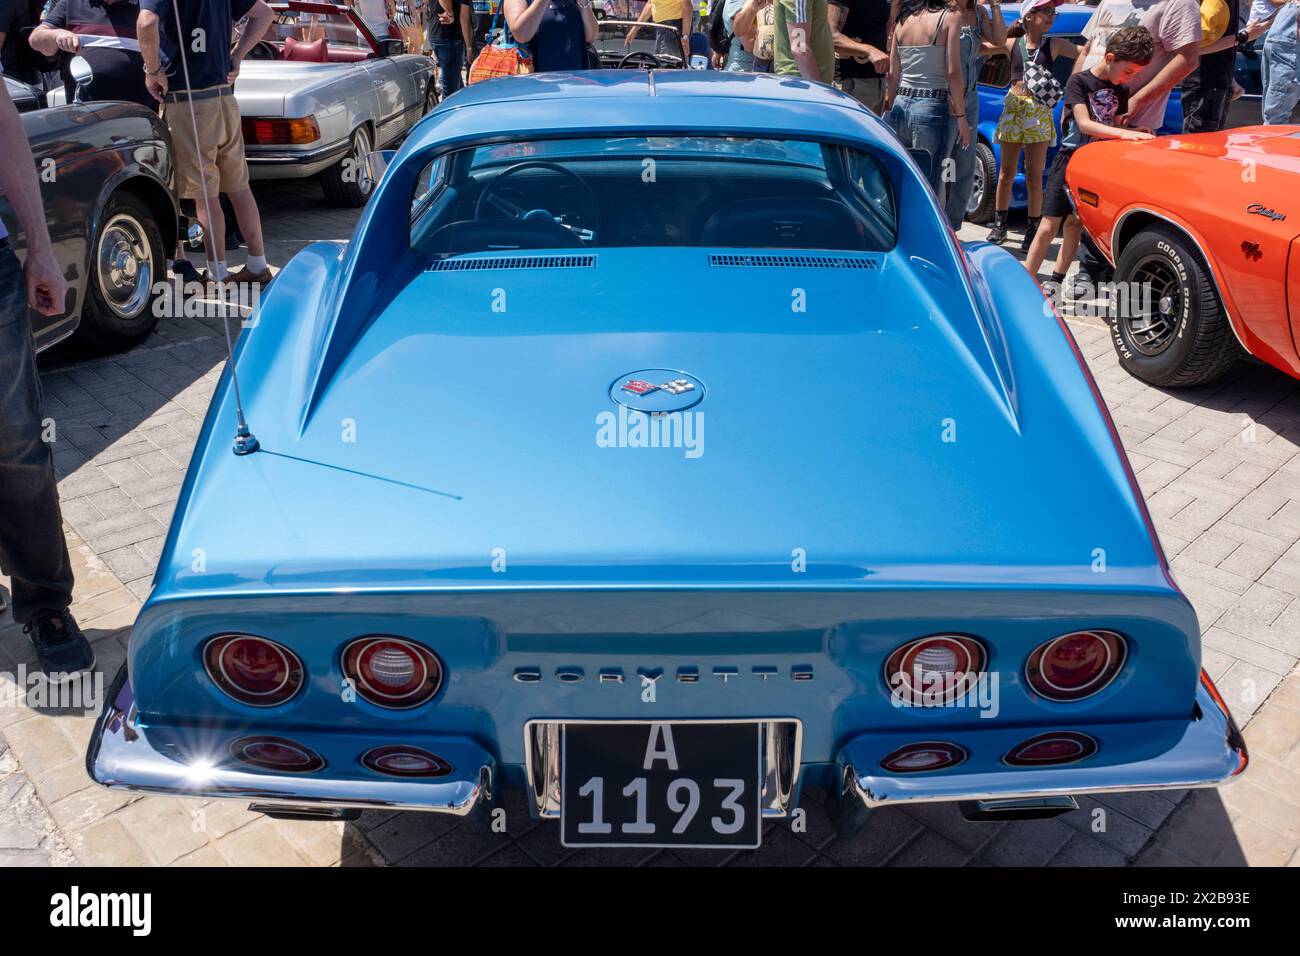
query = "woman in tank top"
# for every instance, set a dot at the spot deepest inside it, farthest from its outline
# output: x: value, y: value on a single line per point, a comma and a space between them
x: 925, y: 99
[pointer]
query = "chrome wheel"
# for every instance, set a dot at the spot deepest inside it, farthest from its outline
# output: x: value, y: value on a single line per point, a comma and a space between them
x: 976, y: 192
x: 1152, y: 321
x: 360, y: 153
x: 124, y: 266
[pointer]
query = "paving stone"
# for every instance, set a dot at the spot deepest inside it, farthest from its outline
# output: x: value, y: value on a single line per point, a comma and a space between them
x: 258, y: 844
x: 1108, y: 825
x: 886, y: 831
x: 321, y: 842
x: 930, y: 849
x: 163, y: 828
x: 1081, y: 851
x: 108, y: 843
x: 1025, y: 843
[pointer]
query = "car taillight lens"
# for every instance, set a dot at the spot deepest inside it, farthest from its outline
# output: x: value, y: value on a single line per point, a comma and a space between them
x: 942, y: 665
x: 1056, y: 747
x: 274, y: 131
x: 402, y: 761
x: 253, y: 670
x: 931, y: 755
x: 276, y: 753
x: 392, y: 672
x: 1076, y: 665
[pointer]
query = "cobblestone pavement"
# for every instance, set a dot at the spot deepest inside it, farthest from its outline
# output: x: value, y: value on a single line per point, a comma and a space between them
x: 1220, y: 466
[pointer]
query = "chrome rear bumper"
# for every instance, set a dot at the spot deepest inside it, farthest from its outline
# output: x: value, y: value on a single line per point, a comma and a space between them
x: 122, y: 756
x: 1211, y: 752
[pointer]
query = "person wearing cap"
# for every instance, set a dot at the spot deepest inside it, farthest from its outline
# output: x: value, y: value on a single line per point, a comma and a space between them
x: 1175, y: 26
x: 1026, y: 124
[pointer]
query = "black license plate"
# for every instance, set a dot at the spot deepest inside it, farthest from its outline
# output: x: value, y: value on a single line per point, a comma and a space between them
x: 661, y: 784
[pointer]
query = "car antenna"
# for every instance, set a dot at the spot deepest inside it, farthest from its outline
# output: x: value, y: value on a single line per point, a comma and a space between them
x: 245, y: 441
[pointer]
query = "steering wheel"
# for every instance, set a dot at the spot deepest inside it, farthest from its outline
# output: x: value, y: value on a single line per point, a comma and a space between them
x: 263, y: 50
x: 640, y: 60
x: 489, y: 198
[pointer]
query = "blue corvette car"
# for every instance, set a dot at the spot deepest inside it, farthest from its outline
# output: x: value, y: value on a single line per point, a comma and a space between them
x: 995, y: 80
x: 483, y: 539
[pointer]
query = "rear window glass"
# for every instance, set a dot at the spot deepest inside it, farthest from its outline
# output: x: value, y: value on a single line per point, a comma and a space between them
x: 606, y: 192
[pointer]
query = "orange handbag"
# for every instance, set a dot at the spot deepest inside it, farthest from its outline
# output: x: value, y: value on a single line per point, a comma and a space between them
x: 502, y: 57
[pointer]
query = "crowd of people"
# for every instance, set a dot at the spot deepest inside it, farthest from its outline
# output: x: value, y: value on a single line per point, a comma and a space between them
x: 916, y: 63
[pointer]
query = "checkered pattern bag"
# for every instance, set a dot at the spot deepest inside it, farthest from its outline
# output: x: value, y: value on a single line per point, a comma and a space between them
x: 1039, y: 81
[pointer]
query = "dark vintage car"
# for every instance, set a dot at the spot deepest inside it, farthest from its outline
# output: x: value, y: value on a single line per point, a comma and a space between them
x: 106, y: 177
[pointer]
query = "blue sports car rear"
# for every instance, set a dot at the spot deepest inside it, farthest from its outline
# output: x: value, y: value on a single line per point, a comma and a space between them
x: 654, y: 448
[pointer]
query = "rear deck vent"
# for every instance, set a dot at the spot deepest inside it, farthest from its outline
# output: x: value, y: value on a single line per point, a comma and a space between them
x: 513, y: 262
x: 788, y: 261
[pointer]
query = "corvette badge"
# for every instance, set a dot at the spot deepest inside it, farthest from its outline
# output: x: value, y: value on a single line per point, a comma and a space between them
x: 638, y: 387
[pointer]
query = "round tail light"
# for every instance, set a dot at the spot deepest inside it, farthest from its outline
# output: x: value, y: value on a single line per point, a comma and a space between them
x: 939, y: 668
x: 253, y: 670
x: 401, y: 761
x: 931, y: 755
x: 1056, y: 747
x: 1076, y: 665
x: 391, y: 672
x: 276, y: 753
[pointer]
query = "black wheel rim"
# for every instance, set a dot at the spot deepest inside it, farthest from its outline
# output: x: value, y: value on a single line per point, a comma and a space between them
x: 1153, y: 311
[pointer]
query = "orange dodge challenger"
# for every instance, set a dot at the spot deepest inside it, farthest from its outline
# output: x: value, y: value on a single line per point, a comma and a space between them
x: 1204, y: 235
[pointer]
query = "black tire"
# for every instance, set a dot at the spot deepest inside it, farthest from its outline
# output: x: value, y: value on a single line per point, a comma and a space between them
x: 348, y: 182
x: 1169, y: 327
x: 430, y: 97
x: 984, y: 193
x: 128, y: 264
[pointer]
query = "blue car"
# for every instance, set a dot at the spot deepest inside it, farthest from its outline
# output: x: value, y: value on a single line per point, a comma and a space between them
x: 995, y: 81
x: 472, y: 534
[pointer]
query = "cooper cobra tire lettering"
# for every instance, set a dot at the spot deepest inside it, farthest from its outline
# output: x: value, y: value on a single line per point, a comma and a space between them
x: 1196, y: 344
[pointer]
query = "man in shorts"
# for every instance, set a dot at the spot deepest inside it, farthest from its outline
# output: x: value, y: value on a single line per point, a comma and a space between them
x: 201, y: 76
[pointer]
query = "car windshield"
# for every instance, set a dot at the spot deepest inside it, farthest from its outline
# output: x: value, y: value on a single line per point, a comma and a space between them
x: 603, y: 192
x: 337, y: 29
x: 615, y: 39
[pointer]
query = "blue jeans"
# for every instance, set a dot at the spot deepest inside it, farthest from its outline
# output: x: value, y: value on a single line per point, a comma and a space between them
x: 450, y: 57
x: 1279, y: 77
x: 32, y: 550
x: 963, y: 166
x: 924, y: 123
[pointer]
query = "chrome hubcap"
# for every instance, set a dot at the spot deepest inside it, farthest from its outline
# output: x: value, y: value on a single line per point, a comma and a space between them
x: 977, y: 190
x: 125, y: 266
x: 360, y: 154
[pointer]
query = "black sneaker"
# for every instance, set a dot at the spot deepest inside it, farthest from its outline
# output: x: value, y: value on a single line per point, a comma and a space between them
x: 62, y: 648
x: 184, y: 270
x: 998, y: 234
x: 1031, y: 230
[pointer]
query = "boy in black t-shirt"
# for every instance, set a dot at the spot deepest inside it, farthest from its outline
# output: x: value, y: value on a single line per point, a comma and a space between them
x: 1094, y: 99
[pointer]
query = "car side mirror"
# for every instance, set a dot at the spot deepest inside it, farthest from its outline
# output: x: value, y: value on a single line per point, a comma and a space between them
x: 377, y: 163
x: 80, y: 71
x: 388, y: 46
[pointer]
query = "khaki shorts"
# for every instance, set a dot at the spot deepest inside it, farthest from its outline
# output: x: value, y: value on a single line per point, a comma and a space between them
x: 221, y: 146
